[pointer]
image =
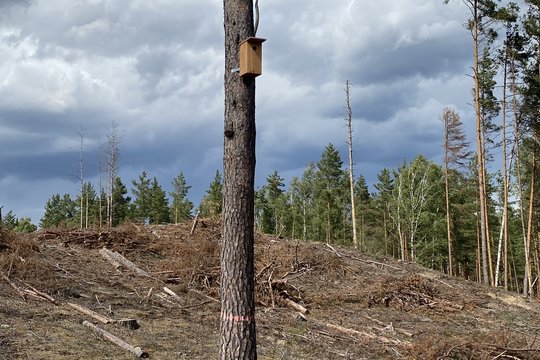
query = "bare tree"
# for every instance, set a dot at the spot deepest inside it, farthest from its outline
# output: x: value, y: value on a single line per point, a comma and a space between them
x: 455, y: 152
x: 351, y: 171
x: 112, y: 168
x: 81, y: 176
x: 100, y: 184
x: 237, y: 326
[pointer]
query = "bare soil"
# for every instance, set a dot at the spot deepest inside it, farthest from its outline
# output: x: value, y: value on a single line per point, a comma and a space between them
x: 358, y: 307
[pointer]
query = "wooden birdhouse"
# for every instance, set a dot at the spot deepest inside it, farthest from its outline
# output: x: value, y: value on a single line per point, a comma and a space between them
x: 251, y: 57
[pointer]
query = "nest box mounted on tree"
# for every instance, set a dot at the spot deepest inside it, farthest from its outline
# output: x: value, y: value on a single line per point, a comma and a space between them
x: 251, y: 57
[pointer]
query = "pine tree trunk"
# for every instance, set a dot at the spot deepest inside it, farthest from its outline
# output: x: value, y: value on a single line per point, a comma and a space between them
x: 237, y: 331
x: 328, y: 223
x: 530, y: 219
x: 351, y: 172
x: 505, y: 176
x: 517, y: 139
x: 480, y: 151
x: 447, y: 196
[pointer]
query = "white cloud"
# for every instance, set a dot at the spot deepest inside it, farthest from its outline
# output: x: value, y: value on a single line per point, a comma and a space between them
x: 156, y: 69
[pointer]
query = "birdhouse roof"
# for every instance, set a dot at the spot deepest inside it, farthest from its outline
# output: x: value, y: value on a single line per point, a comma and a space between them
x: 253, y: 40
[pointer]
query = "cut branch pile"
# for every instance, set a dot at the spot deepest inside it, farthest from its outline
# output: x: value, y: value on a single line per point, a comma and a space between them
x: 127, y: 236
x: 411, y: 293
x: 272, y: 292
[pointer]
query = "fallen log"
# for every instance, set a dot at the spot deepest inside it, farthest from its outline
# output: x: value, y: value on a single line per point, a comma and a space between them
x: 117, y: 341
x: 92, y: 314
x: 363, y: 334
x: 107, y: 255
x: 296, y: 306
x: 117, y: 260
x: 172, y: 293
x: 131, y: 324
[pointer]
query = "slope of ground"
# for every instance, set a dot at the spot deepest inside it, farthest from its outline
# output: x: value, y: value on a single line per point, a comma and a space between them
x: 357, y: 307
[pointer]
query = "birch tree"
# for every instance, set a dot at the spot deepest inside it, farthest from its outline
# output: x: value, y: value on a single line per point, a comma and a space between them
x: 410, y: 195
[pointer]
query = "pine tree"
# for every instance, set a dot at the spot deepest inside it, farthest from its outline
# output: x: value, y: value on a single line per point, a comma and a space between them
x: 212, y: 203
x: 484, y: 13
x: 24, y: 225
x: 307, y: 201
x: 455, y: 153
x: 121, y: 202
x: 362, y: 202
x: 181, y: 206
x: 237, y: 285
x: 277, y: 202
x: 59, y: 211
x: 90, y: 209
x: 159, y: 204
x: 142, y: 204
x: 329, y: 190
x: 9, y: 221
x: 384, y: 188
x: 264, y: 220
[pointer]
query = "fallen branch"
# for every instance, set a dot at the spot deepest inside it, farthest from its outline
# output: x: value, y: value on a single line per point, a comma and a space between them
x: 361, y: 260
x: 118, y: 260
x: 386, y: 326
x: 172, y: 293
x: 116, y: 340
x: 91, y: 313
x: 334, y: 250
x: 296, y: 306
x: 264, y: 269
x: 41, y: 294
x: 363, y: 334
x: 18, y: 290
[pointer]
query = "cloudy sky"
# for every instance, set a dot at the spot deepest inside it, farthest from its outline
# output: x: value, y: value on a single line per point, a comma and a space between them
x: 155, y: 68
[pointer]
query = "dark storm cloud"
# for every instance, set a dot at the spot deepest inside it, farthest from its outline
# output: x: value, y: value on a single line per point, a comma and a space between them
x: 156, y: 70
x: 38, y: 166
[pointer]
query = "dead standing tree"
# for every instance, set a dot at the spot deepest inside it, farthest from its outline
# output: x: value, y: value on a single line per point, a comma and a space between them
x: 455, y: 153
x: 237, y: 330
x: 351, y: 170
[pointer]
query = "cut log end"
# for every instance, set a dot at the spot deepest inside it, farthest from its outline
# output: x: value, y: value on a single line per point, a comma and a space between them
x: 131, y: 324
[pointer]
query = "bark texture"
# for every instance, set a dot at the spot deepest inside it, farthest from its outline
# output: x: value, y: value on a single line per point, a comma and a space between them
x: 237, y: 330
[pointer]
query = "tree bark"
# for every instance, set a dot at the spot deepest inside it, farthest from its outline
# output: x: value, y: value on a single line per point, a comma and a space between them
x: 480, y: 151
x: 351, y: 170
x: 237, y: 330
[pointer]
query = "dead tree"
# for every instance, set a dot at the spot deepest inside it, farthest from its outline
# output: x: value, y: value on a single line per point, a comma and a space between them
x: 455, y: 152
x: 351, y: 172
